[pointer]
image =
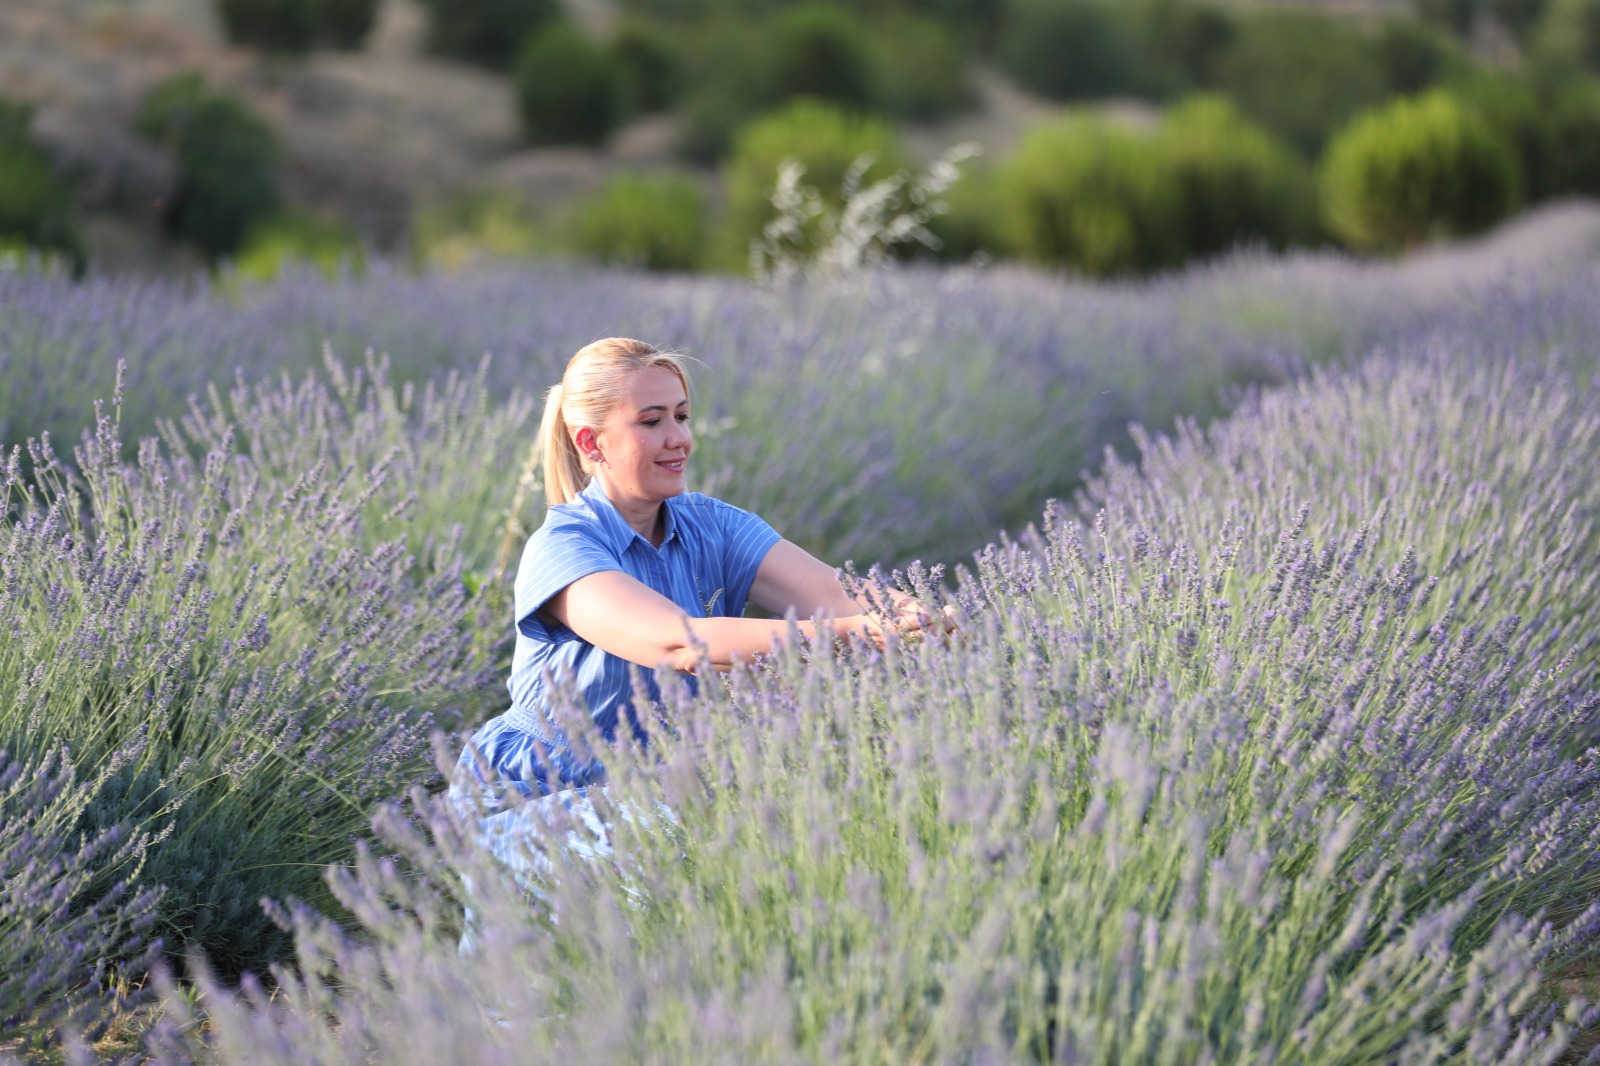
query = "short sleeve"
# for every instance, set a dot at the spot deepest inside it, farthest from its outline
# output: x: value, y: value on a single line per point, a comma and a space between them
x: 554, y: 559
x: 746, y: 539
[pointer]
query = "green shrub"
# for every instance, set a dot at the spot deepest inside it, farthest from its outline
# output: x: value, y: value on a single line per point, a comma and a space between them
x: 1520, y: 17
x: 294, y: 26
x: 271, y: 25
x: 1517, y: 114
x: 290, y: 239
x: 971, y: 226
x: 1069, y: 49
x: 227, y: 162
x: 1085, y: 193
x: 569, y: 89
x: 652, y: 74
x: 1570, y: 31
x: 1301, y: 75
x: 480, y: 224
x: 1417, y: 168
x: 1239, y: 183
x: 487, y: 32
x: 1454, y: 15
x: 824, y: 138
x: 655, y: 222
x: 1414, y: 56
x: 822, y: 50
x: 1182, y: 42
x: 1573, y: 129
x: 728, y: 82
x: 922, y: 67
x: 37, y: 209
x: 346, y: 23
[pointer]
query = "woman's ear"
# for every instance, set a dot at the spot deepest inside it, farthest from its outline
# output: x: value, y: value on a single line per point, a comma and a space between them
x: 588, y: 445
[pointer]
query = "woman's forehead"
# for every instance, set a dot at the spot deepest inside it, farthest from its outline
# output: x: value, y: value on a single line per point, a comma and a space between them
x: 655, y: 385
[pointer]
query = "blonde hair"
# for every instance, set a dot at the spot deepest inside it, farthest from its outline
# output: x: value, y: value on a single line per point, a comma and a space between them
x: 594, y: 383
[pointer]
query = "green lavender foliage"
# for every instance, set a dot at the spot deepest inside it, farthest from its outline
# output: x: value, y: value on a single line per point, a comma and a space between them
x: 66, y: 931
x: 257, y: 647
x: 1270, y: 759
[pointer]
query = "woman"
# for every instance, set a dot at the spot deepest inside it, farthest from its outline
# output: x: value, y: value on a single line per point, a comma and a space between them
x: 629, y: 570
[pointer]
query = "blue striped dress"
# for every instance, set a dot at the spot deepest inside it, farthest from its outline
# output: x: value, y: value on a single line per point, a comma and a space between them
x: 706, y: 564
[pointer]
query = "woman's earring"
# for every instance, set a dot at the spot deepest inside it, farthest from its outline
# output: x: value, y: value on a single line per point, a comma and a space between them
x: 595, y: 457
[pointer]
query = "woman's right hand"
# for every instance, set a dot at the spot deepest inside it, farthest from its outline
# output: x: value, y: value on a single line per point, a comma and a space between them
x: 909, y: 622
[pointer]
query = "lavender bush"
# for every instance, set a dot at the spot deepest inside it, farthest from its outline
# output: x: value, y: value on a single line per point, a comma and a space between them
x: 63, y: 928
x: 1284, y: 755
x: 248, y: 655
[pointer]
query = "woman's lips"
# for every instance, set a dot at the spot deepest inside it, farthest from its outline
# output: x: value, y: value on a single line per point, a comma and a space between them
x: 674, y: 465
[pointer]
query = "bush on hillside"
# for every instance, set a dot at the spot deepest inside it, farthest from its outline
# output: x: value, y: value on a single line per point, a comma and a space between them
x: 825, y: 139
x: 1454, y: 15
x: 1239, y: 183
x: 1518, y: 115
x: 37, y: 209
x: 728, y: 82
x: 294, y: 26
x: 271, y: 25
x: 346, y: 23
x: 1069, y: 49
x: 922, y: 67
x: 226, y: 157
x: 648, y: 62
x: 1414, y: 56
x: 1570, y: 31
x: 1418, y: 168
x: 1300, y: 74
x: 822, y: 50
x: 1085, y: 193
x: 1182, y: 42
x: 654, y: 222
x: 971, y: 225
x: 290, y: 240
x: 1573, y: 128
x: 569, y: 89
x: 487, y: 32
x: 1520, y: 17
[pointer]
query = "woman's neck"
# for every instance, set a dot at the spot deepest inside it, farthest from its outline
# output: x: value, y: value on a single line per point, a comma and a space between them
x: 645, y: 518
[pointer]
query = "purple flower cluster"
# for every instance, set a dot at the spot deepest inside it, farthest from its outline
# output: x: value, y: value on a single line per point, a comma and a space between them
x: 67, y: 929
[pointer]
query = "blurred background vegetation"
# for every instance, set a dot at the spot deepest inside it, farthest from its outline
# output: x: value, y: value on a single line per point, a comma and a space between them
x: 1119, y: 136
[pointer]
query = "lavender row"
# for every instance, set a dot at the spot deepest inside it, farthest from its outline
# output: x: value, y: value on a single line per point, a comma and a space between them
x: 245, y: 653
x: 1209, y: 776
x: 898, y: 416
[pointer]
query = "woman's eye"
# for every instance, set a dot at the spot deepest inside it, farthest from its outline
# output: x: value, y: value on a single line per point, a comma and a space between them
x: 652, y: 422
x: 683, y: 418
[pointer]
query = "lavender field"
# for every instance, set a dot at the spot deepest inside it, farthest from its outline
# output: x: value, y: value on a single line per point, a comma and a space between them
x: 1272, y: 740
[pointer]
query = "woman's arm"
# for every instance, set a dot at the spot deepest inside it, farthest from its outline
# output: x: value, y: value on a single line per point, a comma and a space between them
x: 791, y: 578
x: 632, y: 621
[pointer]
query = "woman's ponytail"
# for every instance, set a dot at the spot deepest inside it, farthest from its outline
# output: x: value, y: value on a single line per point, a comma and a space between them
x: 564, y: 475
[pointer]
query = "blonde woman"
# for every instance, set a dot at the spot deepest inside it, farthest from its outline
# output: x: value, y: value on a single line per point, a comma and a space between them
x: 630, y: 570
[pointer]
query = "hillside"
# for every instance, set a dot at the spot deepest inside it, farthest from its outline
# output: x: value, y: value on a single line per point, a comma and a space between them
x: 369, y: 136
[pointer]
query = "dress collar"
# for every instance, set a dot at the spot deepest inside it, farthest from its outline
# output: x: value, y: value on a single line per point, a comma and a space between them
x: 616, y: 528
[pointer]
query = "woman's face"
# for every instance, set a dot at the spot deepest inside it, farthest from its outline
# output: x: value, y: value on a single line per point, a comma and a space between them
x: 646, y: 440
